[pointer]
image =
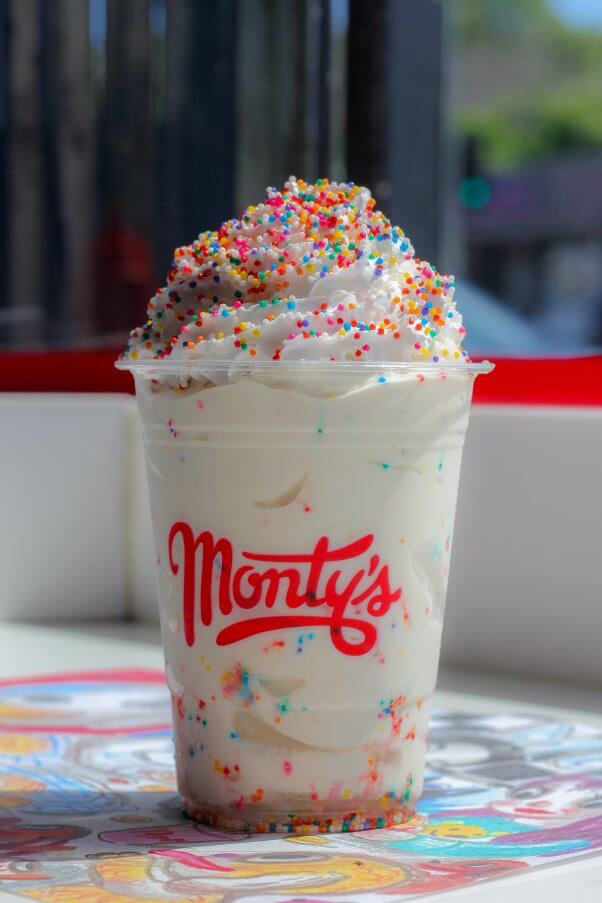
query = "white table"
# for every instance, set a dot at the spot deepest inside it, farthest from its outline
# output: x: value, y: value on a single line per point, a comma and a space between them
x: 50, y: 649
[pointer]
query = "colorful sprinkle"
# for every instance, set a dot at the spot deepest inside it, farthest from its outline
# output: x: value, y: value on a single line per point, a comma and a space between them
x: 272, y: 258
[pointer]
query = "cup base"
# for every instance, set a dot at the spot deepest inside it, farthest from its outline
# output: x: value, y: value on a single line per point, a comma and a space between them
x: 300, y: 824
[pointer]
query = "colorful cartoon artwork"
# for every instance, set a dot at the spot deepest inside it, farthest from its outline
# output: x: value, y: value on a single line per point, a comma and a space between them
x: 89, y: 812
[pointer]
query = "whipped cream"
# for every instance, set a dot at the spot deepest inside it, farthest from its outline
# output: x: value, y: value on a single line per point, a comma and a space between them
x: 313, y: 273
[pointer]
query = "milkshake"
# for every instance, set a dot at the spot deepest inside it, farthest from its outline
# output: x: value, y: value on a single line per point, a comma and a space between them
x: 304, y: 398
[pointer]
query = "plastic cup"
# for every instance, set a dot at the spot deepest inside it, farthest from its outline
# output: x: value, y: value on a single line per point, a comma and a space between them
x: 303, y: 518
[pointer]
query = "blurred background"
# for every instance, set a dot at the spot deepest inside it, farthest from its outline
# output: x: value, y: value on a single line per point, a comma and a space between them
x: 128, y: 126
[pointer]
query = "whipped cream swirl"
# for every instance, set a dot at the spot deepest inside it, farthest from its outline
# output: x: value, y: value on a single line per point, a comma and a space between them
x: 313, y: 273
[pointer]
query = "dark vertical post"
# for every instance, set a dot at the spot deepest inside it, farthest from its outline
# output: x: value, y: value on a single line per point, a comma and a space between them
x: 286, y: 81
x: 315, y: 72
x: 24, y: 160
x: 200, y: 118
x: 338, y: 90
x: 52, y: 251
x: 160, y: 186
x: 270, y: 142
x: 415, y: 148
x: 4, y: 70
x: 300, y: 138
x: 75, y: 159
x: 325, y: 92
x: 394, y: 126
x: 128, y: 113
x: 121, y: 258
x: 366, y: 127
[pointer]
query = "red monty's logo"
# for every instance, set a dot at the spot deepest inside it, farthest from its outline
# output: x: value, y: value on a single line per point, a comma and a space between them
x: 282, y: 591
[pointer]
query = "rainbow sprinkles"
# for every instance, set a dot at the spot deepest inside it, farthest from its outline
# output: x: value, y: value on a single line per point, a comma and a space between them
x: 314, y: 272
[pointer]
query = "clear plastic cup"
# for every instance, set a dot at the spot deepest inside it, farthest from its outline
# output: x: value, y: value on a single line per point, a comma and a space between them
x: 303, y: 518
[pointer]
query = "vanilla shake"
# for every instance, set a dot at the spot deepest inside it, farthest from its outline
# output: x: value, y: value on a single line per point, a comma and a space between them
x: 304, y: 398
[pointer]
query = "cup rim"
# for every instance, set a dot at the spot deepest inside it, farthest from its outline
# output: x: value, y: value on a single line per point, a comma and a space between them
x: 162, y: 368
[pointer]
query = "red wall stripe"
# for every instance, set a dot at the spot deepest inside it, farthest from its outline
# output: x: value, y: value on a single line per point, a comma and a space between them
x: 550, y: 381
x: 559, y: 381
x: 62, y: 371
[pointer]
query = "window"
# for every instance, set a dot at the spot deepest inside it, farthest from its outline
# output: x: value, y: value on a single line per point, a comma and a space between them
x: 476, y: 123
x: 527, y: 126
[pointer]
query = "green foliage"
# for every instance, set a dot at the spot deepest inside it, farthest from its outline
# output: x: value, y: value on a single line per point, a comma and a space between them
x: 561, y: 112
x: 480, y: 20
x: 556, y: 124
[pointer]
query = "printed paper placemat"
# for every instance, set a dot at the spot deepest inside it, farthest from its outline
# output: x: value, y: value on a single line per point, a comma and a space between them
x: 89, y: 812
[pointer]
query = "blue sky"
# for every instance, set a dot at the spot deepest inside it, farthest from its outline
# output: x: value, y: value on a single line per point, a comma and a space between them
x: 580, y: 13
